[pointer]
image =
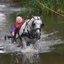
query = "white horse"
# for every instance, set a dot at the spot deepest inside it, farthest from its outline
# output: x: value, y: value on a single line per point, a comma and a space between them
x: 31, y: 30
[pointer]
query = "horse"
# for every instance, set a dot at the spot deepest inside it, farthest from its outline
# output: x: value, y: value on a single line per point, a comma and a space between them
x: 30, y: 31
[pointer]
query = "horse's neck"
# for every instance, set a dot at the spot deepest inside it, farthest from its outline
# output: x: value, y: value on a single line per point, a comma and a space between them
x: 29, y: 26
x: 30, y: 22
x: 22, y: 28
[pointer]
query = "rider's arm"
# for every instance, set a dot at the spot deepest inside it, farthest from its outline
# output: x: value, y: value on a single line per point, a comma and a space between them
x: 13, y: 29
x: 13, y: 32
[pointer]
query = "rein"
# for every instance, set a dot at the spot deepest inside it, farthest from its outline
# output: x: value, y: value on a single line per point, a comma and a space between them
x: 30, y: 36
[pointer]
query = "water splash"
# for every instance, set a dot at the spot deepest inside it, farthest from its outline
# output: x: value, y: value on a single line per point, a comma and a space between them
x: 41, y: 46
x: 30, y: 50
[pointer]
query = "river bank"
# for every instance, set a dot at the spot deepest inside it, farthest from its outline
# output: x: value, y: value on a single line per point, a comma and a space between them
x: 37, y: 8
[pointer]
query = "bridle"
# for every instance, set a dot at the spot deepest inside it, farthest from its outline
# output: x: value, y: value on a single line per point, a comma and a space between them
x: 36, y: 28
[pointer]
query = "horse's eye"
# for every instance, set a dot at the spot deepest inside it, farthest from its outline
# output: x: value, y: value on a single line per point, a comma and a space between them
x: 33, y: 24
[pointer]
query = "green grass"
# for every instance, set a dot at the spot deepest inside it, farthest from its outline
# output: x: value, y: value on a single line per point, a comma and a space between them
x: 57, y: 5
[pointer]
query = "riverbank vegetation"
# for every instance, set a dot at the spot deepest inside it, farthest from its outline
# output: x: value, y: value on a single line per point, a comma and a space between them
x: 36, y: 8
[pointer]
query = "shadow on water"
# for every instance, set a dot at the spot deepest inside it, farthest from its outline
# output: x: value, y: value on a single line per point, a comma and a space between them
x: 19, y: 58
x: 27, y: 58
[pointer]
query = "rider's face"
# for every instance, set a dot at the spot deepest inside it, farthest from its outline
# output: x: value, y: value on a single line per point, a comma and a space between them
x: 19, y: 20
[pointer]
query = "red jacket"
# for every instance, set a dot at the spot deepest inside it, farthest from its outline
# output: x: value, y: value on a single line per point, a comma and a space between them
x: 20, y: 24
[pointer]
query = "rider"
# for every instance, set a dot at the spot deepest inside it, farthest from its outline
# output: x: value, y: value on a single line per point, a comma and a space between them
x: 18, y: 20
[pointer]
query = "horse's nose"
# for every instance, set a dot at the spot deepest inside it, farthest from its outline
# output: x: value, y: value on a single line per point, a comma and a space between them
x: 38, y: 34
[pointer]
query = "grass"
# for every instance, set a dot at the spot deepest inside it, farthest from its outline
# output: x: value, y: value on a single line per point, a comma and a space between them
x: 37, y: 9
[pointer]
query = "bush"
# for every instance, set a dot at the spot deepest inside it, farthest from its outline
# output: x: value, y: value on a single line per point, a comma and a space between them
x: 36, y: 8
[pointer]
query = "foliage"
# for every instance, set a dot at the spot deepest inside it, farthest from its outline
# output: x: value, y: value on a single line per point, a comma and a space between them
x: 17, y: 0
x: 36, y: 8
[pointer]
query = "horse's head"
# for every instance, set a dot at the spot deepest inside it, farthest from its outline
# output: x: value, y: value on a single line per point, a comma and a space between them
x: 37, y: 26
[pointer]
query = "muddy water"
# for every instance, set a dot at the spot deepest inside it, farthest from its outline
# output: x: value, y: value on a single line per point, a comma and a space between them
x: 48, y: 50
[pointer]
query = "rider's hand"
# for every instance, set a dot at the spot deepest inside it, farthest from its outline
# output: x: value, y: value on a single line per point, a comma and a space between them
x: 13, y: 33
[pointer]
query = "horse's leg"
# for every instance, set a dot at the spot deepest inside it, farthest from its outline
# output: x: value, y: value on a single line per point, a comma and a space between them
x: 28, y: 43
x: 24, y: 43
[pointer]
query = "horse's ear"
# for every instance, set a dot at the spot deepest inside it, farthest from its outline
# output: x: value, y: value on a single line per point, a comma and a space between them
x: 32, y: 16
x: 41, y: 17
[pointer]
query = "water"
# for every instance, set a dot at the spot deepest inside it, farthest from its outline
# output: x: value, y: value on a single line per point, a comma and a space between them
x: 48, y: 50
x: 7, y: 1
